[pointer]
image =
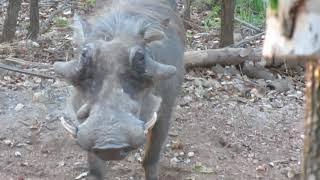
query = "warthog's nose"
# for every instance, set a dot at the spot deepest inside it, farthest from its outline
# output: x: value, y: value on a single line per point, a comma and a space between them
x: 111, y: 154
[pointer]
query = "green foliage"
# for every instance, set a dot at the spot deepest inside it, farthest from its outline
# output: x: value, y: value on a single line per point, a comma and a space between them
x: 251, y: 11
x: 204, y: 4
x: 90, y: 2
x: 213, y: 20
x: 61, y: 22
x: 274, y: 4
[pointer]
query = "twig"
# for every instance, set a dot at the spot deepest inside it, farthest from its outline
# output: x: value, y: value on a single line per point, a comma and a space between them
x: 18, y: 61
x: 2, y: 66
x: 238, y: 44
x: 247, y: 24
x: 45, y: 26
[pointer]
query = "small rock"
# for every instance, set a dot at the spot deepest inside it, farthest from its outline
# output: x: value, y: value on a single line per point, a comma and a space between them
x: 61, y: 163
x: 174, y: 160
x: 82, y: 175
x: 173, y: 134
x: 35, y: 44
x: 250, y: 155
x: 77, y: 163
x: 190, y: 154
x: 255, y: 161
x: 214, y: 128
x: 138, y: 157
x: 17, y: 154
x: 229, y: 122
x: 181, y: 153
x: 187, y: 161
x: 21, y: 144
x: 24, y: 164
x: 261, y: 168
x: 8, y: 142
x: 18, y: 107
x: 271, y: 164
x: 67, y: 12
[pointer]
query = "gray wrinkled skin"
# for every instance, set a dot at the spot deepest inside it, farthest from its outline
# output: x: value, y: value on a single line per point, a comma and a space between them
x: 130, y: 65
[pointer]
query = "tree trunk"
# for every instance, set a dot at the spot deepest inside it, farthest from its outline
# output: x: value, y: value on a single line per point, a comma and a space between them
x: 10, y: 23
x: 187, y: 11
x: 312, y: 122
x: 227, y: 18
x: 34, y: 19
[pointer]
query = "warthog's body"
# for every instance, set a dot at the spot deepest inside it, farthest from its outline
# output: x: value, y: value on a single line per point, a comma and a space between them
x: 130, y: 72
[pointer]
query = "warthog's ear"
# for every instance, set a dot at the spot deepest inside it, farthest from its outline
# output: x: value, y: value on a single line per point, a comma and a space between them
x: 81, y: 29
x: 155, y: 33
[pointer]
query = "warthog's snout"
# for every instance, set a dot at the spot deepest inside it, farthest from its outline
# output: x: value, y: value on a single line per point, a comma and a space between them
x: 111, y: 138
x: 113, y: 153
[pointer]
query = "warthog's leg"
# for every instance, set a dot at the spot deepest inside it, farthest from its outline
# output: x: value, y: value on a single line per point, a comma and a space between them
x: 155, y: 142
x: 96, y: 167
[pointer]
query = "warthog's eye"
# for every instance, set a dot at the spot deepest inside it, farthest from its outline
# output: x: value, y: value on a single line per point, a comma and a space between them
x: 137, y: 60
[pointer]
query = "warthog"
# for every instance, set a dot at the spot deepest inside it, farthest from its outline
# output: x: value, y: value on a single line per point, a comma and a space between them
x: 126, y: 79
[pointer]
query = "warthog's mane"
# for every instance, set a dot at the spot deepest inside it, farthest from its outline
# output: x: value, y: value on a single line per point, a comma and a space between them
x: 128, y: 18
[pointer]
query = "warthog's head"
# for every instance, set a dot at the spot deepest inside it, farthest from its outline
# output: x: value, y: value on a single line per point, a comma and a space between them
x: 114, y: 79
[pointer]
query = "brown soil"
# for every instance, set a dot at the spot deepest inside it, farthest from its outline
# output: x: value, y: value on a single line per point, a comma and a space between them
x: 232, y: 137
x: 222, y: 128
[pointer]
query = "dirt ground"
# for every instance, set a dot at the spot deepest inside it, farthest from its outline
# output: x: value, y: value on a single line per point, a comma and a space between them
x: 226, y: 126
x: 216, y: 134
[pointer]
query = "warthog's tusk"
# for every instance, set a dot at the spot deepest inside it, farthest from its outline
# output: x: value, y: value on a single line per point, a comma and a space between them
x: 72, y: 130
x: 149, y: 125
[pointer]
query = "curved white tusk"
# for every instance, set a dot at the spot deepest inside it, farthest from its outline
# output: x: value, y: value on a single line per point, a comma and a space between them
x: 149, y: 125
x: 72, y: 130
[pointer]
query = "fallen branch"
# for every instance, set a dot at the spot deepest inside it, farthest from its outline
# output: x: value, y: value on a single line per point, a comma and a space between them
x: 236, y: 56
x: 22, y: 63
x: 9, y: 68
x: 247, y: 24
x: 223, y: 56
